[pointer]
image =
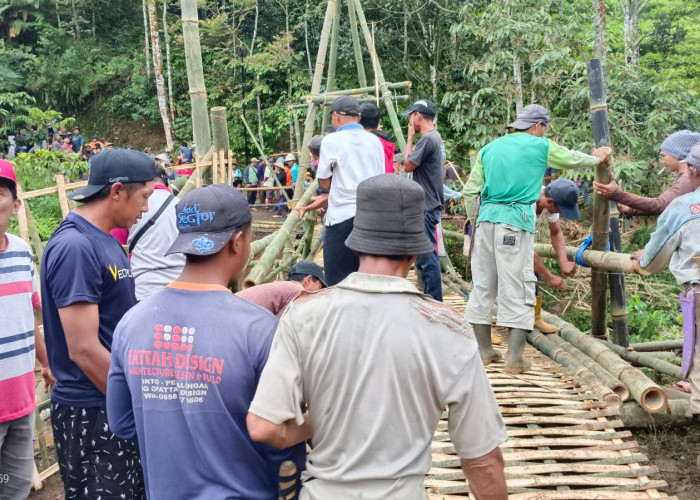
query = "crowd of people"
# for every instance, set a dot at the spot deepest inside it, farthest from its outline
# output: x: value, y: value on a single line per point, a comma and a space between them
x: 165, y: 384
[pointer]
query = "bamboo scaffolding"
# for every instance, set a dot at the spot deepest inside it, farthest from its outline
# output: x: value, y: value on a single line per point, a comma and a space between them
x: 328, y: 101
x: 304, y: 157
x: 195, y: 76
x: 601, y: 373
x: 646, y: 360
x: 581, y: 372
x: 652, y: 398
x: 661, y: 345
x: 219, y: 129
x: 260, y: 271
x: 385, y: 91
x: 601, y: 207
x: 616, y: 282
x: 326, y: 96
x: 263, y: 157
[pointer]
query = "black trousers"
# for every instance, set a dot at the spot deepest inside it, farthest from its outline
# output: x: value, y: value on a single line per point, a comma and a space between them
x: 94, y: 463
x: 338, y: 260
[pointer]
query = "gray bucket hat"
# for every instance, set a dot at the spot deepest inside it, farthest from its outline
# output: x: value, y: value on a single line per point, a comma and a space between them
x: 389, y: 219
x: 530, y: 115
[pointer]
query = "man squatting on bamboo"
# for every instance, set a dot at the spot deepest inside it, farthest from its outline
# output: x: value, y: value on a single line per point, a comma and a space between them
x: 674, y: 244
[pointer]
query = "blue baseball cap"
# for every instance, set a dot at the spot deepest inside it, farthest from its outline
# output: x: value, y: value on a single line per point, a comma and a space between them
x: 207, y: 218
x: 564, y: 192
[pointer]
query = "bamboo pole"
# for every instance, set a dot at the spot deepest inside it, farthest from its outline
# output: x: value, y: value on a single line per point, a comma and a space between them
x: 215, y: 169
x: 607, y: 378
x: 616, y: 281
x: 606, y: 261
x: 356, y: 47
x: 263, y: 157
x: 34, y: 235
x: 386, y: 93
x: 646, y: 360
x: 661, y: 345
x: 297, y: 135
x: 259, y: 245
x: 621, y: 262
x: 259, y: 272
x: 304, y: 157
x: 677, y: 414
x: 62, y: 197
x: 328, y: 101
x: 195, y: 76
x: 358, y: 91
x: 332, y: 60
x: 652, y: 398
x: 601, y: 207
x: 219, y: 129
x: 577, y: 369
x: 22, y: 218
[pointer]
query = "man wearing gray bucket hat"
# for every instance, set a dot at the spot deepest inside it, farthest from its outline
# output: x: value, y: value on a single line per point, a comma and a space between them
x: 508, y: 175
x: 674, y: 152
x: 676, y: 244
x: 377, y: 362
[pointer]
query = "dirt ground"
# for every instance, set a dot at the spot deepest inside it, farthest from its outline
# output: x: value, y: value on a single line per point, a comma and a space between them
x: 676, y: 452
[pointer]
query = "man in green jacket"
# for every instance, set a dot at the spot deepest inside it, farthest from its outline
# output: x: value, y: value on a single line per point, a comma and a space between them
x: 508, y: 175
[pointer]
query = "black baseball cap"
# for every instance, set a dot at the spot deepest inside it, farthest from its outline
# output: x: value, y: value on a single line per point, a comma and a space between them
x: 116, y: 165
x: 303, y: 268
x: 207, y: 218
x: 422, y: 106
x: 346, y: 105
x: 564, y: 192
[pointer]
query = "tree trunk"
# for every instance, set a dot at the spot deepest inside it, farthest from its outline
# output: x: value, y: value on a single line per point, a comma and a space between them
x: 306, y: 39
x: 405, y: 33
x: 76, y: 23
x: 171, y: 105
x: 255, y: 29
x: 599, y: 40
x: 94, y: 30
x: 518, y: 81
x: 631, y: 10
x: 260, y: 121
x: 158, y: 73
x: 146, y: 46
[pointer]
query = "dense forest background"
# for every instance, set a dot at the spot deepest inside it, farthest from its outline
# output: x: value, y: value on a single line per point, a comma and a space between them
x: 479, y: 60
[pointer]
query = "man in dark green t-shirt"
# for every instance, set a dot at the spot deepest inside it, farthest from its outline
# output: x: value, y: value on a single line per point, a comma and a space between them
x: 508, y: 174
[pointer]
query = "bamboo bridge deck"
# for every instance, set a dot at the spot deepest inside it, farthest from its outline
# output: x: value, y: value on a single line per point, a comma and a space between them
x: 562, y: 441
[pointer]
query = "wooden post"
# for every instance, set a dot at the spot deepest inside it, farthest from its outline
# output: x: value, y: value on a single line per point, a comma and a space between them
x: 62, y: 196
x: 231, y: 165
x: 386, y: 93
x: 332, y: 61
x: 315, y: 89
x: 195, y: 76
x: 601, y: 207
x: 357, y: 48
x: 22, y: 217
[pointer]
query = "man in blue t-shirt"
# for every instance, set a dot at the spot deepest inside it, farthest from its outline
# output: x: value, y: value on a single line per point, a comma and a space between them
x: 86, y: 287
x: 186, y: 363
x: 184, y: 154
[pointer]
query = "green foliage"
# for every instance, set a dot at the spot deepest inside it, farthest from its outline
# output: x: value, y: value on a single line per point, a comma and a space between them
x: 649, y: 323
x: 38, y: 170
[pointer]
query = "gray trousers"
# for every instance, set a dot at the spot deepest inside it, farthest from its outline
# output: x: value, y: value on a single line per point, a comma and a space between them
x: 16, y: 458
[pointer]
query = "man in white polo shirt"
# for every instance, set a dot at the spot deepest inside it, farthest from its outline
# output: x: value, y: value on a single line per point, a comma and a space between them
x: 348, y: 156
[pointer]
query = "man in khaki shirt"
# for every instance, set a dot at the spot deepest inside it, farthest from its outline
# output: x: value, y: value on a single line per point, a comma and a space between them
x: 378, y: 362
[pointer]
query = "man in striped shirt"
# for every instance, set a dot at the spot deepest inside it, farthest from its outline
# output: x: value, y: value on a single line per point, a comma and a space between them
x: 19, y: 341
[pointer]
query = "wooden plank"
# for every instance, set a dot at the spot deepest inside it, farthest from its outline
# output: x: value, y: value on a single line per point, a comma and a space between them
x: 577, y: 495
x: 569, y: 431
x: 529, y: 470
x: 48, y: 472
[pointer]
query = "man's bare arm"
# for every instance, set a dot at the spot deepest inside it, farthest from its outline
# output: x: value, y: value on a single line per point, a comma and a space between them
x: 41, y: 356
x: 81, y: 323
x: 556, y: 236
x: 319, y: 201
x: 281, y: 435
x: 487, y: 479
